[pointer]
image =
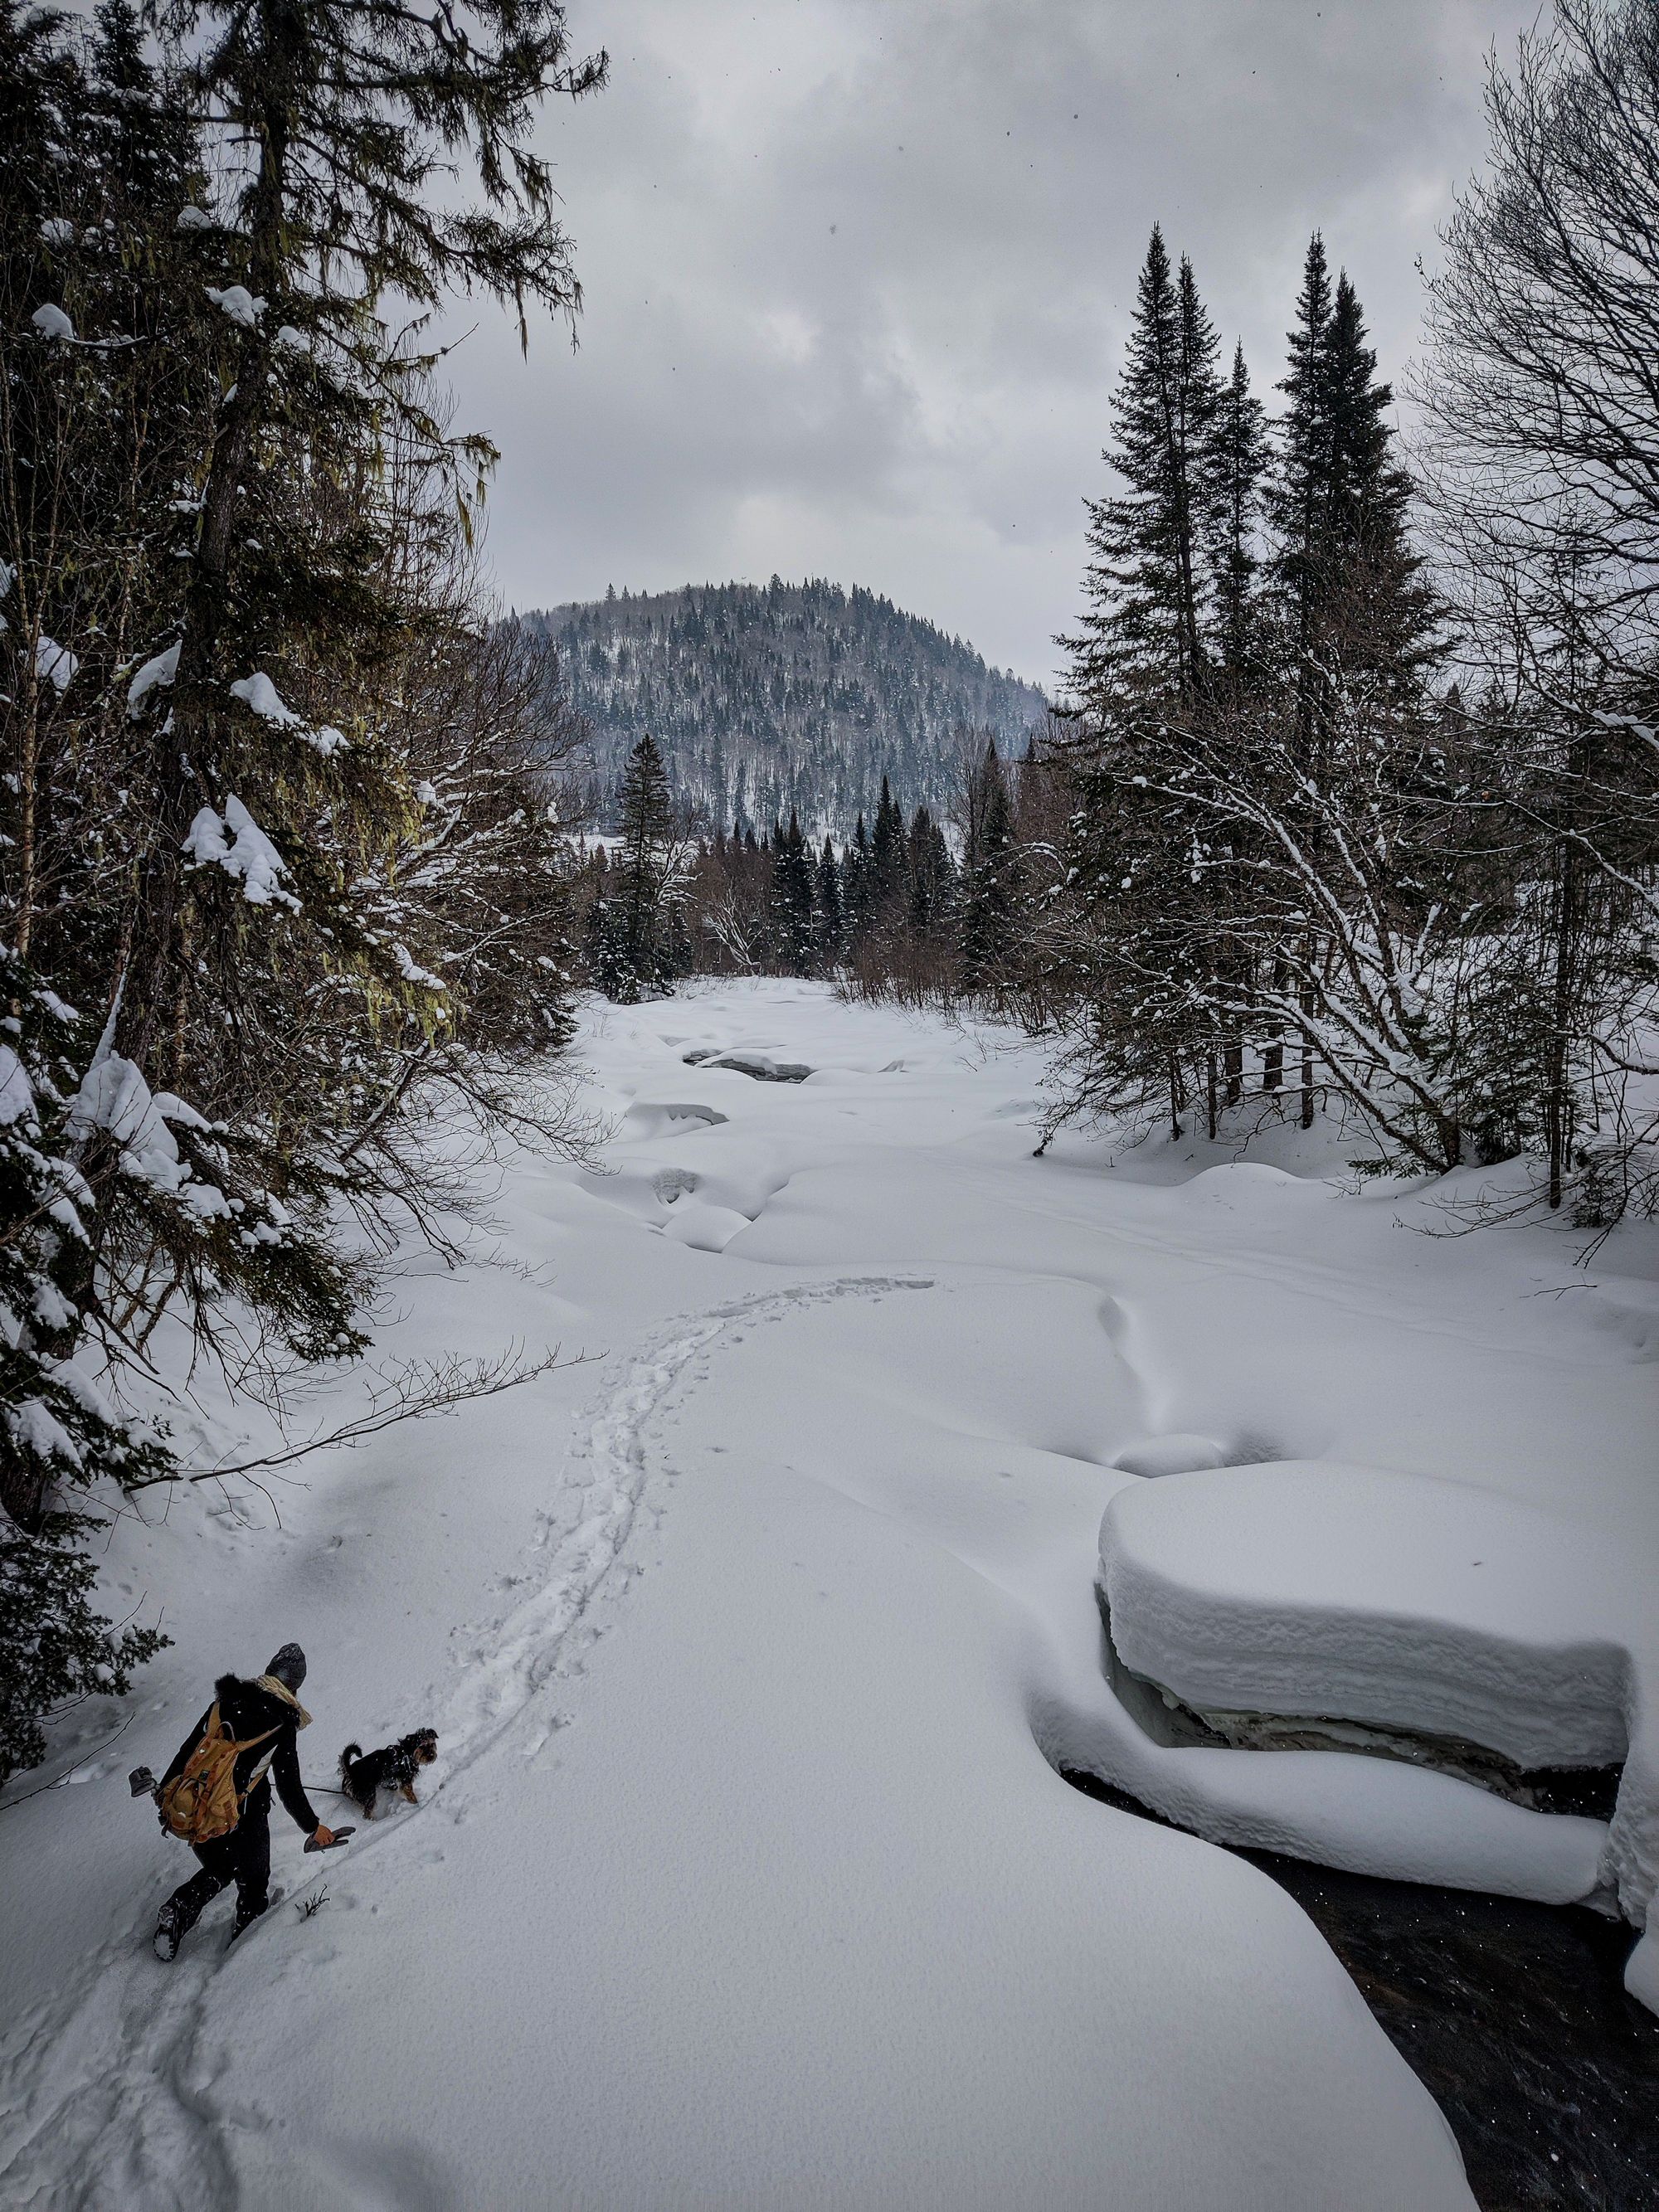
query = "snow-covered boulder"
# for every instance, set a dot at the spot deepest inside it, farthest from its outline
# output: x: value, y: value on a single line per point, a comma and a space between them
x: 652, y: 1118
x: 1357, y: 1593
x: 702, y: 1227
x: 1176, y: 1452
x: 1408, y: 1604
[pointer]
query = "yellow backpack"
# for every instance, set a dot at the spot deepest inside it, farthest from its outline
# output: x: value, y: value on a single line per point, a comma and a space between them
x: 202, y: 1801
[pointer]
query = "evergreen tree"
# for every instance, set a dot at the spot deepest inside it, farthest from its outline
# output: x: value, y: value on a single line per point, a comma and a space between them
x: 1237, y: 458
x: 856, y: 885
x: 795, y: 935
x: 277, y: 853
x: 828, y: 907
x: 1387, y: 614
x: 636, y: 948
x: 1143, y: 627
x: 887, y: 870
x: 1349, y: 589
x: 987, y: 868
x: 1302, y: 483
x: 930, y: 876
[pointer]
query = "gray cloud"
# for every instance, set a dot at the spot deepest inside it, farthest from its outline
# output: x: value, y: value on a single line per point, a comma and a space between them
x: 858, y: 272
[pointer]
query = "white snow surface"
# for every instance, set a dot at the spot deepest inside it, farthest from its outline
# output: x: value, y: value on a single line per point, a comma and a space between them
x: 261, y: 697
x: 744, y: 1877
x: 114, y: 1097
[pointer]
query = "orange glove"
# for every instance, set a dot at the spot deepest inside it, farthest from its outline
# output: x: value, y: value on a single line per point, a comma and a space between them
x: 323, y: 1837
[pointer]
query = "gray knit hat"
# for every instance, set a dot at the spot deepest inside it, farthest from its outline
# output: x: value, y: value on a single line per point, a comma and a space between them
x: 288, y: 1666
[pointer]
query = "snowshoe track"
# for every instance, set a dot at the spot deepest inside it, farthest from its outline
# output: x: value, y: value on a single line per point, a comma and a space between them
x: 104, y: 2106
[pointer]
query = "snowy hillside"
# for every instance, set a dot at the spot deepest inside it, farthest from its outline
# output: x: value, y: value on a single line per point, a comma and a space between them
x: 754, y: 1637
x: 765, y: 698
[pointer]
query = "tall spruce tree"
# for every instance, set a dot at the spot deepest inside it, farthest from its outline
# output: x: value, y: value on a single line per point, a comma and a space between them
x: 794, y: 935
x: 828, y: 907
x: 988, y: 862
x: 637, y: 951
x: 1301, y: 488
x: 885, y: 879
x: 1237, y: 459
x: 1142, y: 631
x: 930, y: 877
x: 1347, y: 582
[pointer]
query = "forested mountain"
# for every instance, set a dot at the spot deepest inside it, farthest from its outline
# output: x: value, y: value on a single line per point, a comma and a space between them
x: 768, y: 697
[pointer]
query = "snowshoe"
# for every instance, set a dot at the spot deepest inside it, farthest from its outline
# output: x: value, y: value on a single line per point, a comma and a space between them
x: 168, y: 1934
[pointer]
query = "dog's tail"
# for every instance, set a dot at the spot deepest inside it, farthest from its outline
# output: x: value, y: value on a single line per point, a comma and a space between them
x: 352, y: 1751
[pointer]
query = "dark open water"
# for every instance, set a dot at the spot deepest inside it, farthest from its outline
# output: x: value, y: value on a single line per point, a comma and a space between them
x: 1512, y: 2014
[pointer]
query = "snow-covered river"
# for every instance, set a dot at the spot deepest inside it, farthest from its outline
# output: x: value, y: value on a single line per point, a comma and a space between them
x: 754, y: 1637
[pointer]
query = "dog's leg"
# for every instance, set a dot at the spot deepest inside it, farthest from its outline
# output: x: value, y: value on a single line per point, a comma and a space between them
x: 407, y: 1793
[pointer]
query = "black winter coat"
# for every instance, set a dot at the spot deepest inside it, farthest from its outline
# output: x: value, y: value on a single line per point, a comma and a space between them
x: 248, y: 1711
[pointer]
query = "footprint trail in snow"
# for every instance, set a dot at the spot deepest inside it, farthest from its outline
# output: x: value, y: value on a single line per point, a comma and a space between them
x: 106, y: 2091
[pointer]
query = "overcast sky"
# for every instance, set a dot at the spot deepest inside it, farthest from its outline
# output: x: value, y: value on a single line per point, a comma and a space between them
x: 857, y: 272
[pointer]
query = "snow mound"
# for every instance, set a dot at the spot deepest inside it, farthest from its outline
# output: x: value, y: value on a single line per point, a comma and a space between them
x: 1178, y: 1453
x: 703, y: 1227
x: 1315, y: 1589
x: 1231, y: 1173
x: 669, y: 1119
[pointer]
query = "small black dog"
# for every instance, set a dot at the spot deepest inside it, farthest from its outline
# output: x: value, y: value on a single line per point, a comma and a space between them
x: 363, y: 1775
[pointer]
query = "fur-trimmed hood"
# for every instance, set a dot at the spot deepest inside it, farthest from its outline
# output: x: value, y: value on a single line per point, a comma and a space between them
x: 272, y: 1688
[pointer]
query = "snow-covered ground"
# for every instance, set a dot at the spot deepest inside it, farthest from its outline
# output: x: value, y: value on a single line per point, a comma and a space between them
x: 744, y: 1877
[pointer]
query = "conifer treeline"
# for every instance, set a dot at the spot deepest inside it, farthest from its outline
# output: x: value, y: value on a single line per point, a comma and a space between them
x: 914, y: 908
x: 278, y: 852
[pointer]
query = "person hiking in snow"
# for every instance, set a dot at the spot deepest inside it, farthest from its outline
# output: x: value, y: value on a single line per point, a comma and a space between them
x: 216, y: 1795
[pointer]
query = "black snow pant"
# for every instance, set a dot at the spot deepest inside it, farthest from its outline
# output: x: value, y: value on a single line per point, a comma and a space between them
x: 243, y: 1857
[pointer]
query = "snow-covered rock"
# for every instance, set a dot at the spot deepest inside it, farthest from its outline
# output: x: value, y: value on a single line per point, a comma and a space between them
x: 668, y: 1118
x: 702, y: 1227
x: 1176, y: 1453
x: 1359, y: 1594
x: 1408, y: 1604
